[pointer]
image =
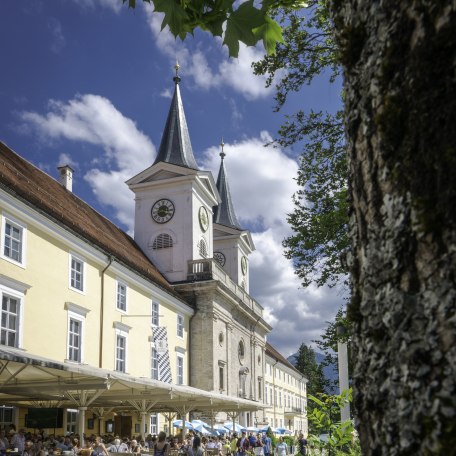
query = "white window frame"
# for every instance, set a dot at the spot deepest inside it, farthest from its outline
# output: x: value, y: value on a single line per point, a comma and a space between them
x: 77, y: 318
x: 121, y: 330
x: 154, y: 423
x: 152, y: 360
x: 72, y: 420
x: 22, y: 227
x: 76, y: 312
x: 120, y: 283
x: 18, y: 330
x: 180, y: 326
x: 179, y: 369
x: 155, y: 313
x: 83, y: 273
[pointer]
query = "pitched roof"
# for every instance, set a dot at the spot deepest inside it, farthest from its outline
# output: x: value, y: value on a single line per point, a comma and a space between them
x: 175, y: 146
x: 224, y: 213
x: 273, y: 353
x: 42, y: 192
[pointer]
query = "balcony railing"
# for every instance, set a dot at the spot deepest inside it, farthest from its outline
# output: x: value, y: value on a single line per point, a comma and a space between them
x: 293, y: 411
x: 208, y: 269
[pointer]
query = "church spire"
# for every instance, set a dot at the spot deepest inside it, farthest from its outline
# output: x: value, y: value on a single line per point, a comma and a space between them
x: 175, y: 146
x: 224, y: 212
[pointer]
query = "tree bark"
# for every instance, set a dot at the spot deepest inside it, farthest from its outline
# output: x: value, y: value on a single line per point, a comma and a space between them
x: 399, y: 60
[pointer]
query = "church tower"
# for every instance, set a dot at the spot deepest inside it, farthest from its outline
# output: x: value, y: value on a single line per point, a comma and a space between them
x: 174, y: 200
x: 232, y: 244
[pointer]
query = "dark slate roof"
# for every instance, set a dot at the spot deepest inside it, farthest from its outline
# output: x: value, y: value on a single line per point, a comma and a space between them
x: 224, y: 213
x: 273, y: 353
x: 175, y: 146
x: 23, y: 180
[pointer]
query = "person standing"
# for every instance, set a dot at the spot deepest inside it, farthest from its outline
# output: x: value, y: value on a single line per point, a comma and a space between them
x: 242, y: 444
x: 18, y: 441
x: 302, y: 444
x: 161, y: 448
x: 281, y: 448
x: 267, y: 445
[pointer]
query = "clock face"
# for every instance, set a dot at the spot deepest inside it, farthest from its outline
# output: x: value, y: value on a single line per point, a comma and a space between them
x: 162, y: 211
x: 244, y: 265
x: 220, y: 258
x: 203, y: 218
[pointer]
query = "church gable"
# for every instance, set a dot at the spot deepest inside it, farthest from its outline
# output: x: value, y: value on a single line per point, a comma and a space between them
x: 160, y: 171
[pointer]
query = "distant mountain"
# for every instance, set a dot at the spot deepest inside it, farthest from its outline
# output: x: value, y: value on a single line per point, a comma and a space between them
x: 331, y: 371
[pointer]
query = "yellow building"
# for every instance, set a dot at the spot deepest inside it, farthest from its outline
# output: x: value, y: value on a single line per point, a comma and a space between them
x: 127, y: 333
x: 285, y: 394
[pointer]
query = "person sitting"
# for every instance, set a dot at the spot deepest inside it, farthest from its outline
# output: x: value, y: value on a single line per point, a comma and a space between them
x: 135, y: 447
x: 195, y: 449
x: 118, y: 447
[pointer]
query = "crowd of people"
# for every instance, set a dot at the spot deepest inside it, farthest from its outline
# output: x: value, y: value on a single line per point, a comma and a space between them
x: 192, y: 444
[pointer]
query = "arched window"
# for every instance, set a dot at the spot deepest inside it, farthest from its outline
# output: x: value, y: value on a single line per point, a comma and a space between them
x: 162, y: 241
x: 202, y: 246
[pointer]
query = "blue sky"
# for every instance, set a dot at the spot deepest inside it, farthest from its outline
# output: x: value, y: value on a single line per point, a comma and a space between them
x: 88, y: 82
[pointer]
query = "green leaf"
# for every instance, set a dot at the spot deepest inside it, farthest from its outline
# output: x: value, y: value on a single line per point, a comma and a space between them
x: 175, y: 17
x: 314, y: 399
x: 215, y: 27
x: 271, y: 34
x: 240, y: 25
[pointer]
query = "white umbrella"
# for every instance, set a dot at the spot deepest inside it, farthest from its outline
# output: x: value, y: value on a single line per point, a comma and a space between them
x: 198, y: 422
x: 237, y: 427
x: 178, y: 424
x: 201, y: 428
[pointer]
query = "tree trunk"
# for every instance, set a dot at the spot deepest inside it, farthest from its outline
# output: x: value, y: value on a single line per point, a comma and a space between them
x: 399, y: 60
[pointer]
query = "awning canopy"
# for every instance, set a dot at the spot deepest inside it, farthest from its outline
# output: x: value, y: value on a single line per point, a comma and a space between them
x: 33, y: 381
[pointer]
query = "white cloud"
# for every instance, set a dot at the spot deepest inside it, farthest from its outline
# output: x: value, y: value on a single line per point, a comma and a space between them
x: 58, y: 40
x: 224, y: 72
x: 262, y: 179
x: 94, y: 120
x: 65, y: 159
x: 166, y: 94
x: 114, y: 5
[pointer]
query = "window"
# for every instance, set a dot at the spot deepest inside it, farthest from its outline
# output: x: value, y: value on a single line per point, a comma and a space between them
x: 260, y: 387
x: 72, y: 420
x: 221, y: 377
x: 76, y: 273
x: 180, y: 326
x: 75, y: 340
x: 241, y: 350
x: 265, y: 394
x: 6, y: 416
x: 154, y: 364
x: 154, y: 423
x: 162, y: 241
x: 9, y: 327
x: 202, y: 247
x: 121, y: 296
x: 154, y: 312
x: 13, y: 240
x: 180, y: 370
x: 280, y: 399
x: 121, y: 353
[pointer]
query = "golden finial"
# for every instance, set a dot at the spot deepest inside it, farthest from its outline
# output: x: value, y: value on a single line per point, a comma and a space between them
x: 177, y: 78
